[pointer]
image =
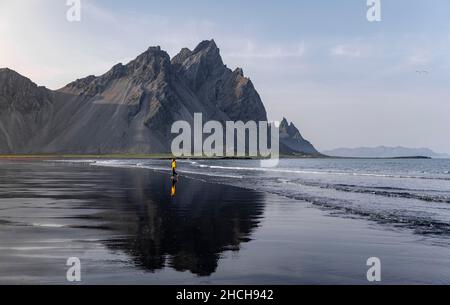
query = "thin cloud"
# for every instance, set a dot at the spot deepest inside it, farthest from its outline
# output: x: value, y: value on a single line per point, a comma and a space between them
x: 98, y: 13
x: 419, y: 57
x: 346, y: 51
x: 252, y: 50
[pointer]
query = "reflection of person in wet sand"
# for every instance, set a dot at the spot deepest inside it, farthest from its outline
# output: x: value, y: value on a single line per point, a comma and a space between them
x: 173, y: 189
x: 185, y: 232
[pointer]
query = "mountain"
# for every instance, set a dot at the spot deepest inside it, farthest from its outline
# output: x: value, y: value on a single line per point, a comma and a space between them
x: 130, y: 108
x: 384, y: 152
x: 292, y: 141
x: 24, y: 111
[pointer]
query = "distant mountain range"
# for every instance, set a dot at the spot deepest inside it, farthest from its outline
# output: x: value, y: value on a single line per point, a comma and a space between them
x: 384, y: 152
x: 130, y: 108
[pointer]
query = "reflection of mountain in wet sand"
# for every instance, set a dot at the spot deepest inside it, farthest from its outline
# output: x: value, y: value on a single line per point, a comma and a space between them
x: 187, y: 232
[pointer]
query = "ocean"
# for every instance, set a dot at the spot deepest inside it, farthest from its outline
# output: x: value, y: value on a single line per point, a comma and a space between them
x: 306, y: 221
x: 410, y: 193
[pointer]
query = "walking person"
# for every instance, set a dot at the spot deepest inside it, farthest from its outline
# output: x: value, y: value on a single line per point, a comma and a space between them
x: 174, y: 168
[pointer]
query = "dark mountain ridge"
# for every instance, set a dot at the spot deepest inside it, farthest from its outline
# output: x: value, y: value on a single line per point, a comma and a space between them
x: 130, y: 108
x: 385, y: 152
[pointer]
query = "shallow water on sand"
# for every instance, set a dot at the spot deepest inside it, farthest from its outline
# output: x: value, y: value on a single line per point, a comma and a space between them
x: 125, y: 226
x: 408, y: 193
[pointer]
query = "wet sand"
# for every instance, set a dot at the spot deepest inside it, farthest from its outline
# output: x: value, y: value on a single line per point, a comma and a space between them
x: 126, y: 228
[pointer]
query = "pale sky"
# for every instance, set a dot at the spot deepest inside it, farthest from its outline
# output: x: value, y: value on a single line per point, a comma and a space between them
x: 345, y: 82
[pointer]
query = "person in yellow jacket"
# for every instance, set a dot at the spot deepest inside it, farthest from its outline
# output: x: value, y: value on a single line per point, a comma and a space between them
x: 173, y: 189
x: 174, y: 167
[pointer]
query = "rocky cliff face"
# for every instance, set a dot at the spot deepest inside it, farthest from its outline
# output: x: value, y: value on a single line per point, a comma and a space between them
x: 292, y: 141
x: 25, y: 110
x: 214, y: 84
x: 129, y: 109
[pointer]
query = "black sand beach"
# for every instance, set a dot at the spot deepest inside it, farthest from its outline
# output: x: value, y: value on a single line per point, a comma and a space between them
x: 126, y: 228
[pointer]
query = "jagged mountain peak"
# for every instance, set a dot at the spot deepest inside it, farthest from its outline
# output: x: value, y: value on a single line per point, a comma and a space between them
x: 15, y: 84
x: 204, y: 72
x: 9, y: 74
x: 150, y: 65
x: 117, y: 71
x: 200, y: 66
x: 150, y: 53
x: 7, y: 70
x: 130, y: 108
x: 292, y: 140
x: 206, y: 45
x: 238, y: 71
x: 153, y: 59
x: 181, y: 56
x: 21, y: 100
x: 207, y: 53
x: 288, y: 129
x: 79, y: 83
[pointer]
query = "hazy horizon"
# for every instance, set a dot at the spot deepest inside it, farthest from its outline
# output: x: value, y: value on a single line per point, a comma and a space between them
x: 343, y: 81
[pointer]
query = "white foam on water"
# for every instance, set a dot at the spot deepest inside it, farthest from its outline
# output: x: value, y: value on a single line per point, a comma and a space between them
x: 48, y: 225
x: 280, y: 170
x: 28, y: 248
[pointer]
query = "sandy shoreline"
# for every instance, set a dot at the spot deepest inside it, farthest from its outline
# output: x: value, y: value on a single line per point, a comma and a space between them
x: 125, y: 227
